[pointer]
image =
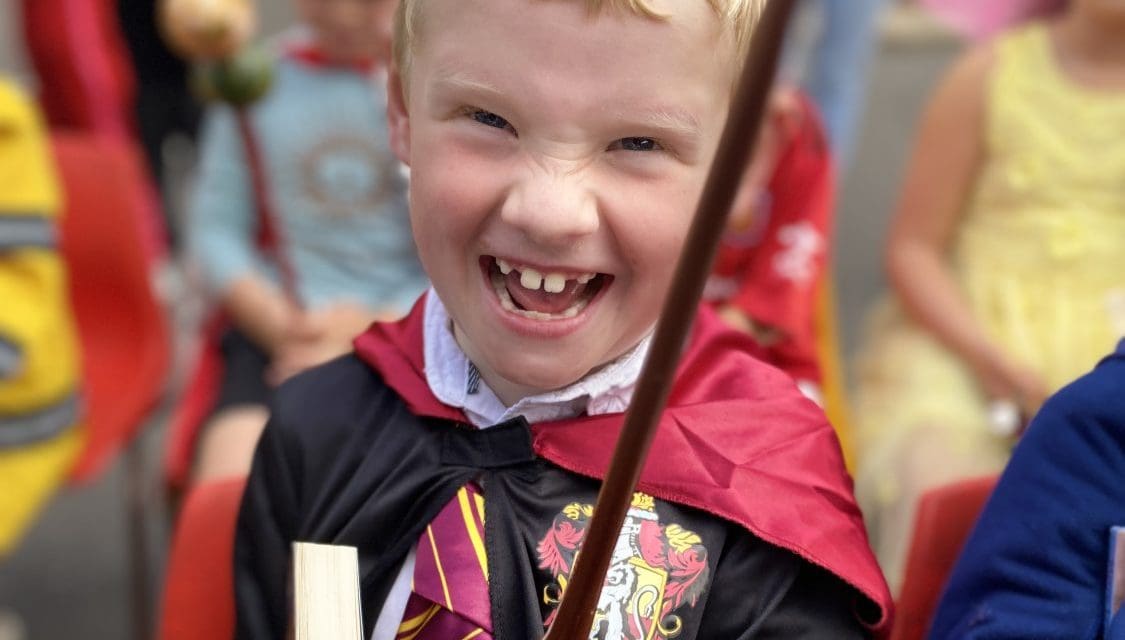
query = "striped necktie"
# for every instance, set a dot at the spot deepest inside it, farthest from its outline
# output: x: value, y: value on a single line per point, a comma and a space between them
x: 449, y: 598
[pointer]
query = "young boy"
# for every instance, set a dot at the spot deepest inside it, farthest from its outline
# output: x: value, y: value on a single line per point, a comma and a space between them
x: 557, y: 152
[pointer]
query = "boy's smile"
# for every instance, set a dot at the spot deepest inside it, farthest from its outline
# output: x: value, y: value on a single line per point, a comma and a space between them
x: 556, y: 159
x: 542, y: 294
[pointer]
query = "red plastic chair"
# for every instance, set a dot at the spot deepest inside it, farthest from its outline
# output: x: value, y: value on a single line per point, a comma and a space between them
x: 199, y: 586
x: 945, y: 517
x: 121, y: 326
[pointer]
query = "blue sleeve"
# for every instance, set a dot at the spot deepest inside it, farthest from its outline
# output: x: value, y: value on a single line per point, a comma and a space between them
x: 1035, y: 564
x: 220, y: 222
x: 1116, y: 629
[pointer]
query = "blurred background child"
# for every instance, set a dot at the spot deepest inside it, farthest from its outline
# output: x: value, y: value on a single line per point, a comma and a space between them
x: 1042, y: 557
x: 339, y: 197
x: 1005, y: 259
x: 774, y: 254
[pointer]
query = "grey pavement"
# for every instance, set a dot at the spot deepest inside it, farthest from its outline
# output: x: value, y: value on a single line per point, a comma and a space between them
x: 69, y: 580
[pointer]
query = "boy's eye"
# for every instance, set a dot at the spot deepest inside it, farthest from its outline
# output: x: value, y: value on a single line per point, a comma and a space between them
x: 636, y: 144
x: 489, y: 119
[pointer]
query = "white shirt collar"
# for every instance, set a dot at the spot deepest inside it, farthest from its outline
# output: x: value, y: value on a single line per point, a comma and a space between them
x: 455, y: 382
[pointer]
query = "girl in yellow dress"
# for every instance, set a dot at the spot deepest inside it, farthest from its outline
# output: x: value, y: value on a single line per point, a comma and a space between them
x: 1006, y: 257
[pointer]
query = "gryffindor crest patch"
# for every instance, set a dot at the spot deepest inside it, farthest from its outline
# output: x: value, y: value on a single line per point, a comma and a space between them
x: 655, y: 571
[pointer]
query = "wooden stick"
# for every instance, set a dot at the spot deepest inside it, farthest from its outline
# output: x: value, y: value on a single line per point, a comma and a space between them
x: 579, y: 604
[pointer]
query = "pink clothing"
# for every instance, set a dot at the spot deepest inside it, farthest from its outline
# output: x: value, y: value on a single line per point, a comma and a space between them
x: 980, y: 19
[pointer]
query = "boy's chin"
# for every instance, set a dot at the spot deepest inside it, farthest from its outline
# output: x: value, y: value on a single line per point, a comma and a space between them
x: 522, y: 375
x: 538, y: 381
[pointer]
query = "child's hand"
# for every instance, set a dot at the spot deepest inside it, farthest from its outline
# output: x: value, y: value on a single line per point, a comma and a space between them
x: 1002, y: 379
x: 318, y: 336
x: 301, y: 347
x: 343, y: 321
x: 764, y: 335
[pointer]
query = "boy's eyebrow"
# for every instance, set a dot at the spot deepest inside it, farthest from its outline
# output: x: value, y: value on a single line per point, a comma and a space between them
x: 455, y: 80
x: 668, y: 119
x: 672, y: 120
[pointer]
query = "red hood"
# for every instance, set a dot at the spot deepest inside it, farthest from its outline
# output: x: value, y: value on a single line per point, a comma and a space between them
x: 737, y: 440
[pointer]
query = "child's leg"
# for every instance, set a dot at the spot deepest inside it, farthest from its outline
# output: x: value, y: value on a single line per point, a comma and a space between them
x: 227, y: 444
x: 923, y: 422
x: 932, y: 456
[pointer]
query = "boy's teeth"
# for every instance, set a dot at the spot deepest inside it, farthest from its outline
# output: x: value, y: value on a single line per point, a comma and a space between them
x: 534, y: 280
x: 531, y: 279
x: 508, y: 305
x: 554, y: 283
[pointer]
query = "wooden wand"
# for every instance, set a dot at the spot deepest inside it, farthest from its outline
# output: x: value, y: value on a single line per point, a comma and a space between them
x: 579, y: 604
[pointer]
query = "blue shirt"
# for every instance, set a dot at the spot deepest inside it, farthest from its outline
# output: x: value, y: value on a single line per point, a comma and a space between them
x: 1035, y: 565
x: 337, y: 190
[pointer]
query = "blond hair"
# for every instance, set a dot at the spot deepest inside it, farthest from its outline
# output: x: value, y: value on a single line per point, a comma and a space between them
x: 738, y: 17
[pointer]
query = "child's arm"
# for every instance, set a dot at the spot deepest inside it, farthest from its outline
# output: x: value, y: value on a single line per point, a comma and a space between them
x: 261, y: 311
x: 949, y: 154
x: 221, y: 228
x: 1037, y: 557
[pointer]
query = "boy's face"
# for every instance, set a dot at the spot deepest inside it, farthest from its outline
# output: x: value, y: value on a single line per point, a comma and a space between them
x: 350, y: 30
x: 549, y: 147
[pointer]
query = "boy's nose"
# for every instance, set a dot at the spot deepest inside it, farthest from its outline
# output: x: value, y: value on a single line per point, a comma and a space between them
x: 552, y: 208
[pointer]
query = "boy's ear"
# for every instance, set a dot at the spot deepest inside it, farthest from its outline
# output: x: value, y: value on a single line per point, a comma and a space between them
x: 398, y: 118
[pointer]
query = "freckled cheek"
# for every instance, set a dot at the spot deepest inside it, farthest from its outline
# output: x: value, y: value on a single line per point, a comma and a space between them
x: 449, y: 202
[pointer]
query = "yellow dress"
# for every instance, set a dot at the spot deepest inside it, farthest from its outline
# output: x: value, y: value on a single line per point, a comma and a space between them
x: 1040, y: 255
x: 38, y: 352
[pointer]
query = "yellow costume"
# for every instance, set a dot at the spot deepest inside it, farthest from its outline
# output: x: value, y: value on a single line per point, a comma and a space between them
x: 1040, y: 255
x: 38, y: 352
